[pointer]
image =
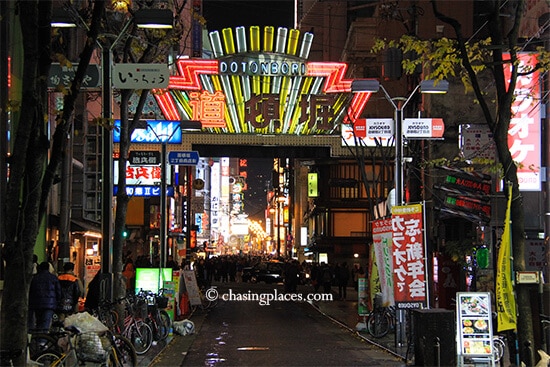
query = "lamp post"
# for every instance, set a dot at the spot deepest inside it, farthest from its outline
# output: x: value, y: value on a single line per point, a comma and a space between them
x: 144, y: 18
x: 163, y: 139
x: 425, y: 86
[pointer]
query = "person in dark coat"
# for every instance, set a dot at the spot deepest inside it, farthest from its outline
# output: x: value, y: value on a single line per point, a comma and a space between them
x: 44, y: 296
x: 343, y: 279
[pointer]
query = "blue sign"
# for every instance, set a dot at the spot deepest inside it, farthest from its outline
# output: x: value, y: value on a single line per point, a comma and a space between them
x: 189, y: 158
x: 157, y: 132
x: 145, y: 191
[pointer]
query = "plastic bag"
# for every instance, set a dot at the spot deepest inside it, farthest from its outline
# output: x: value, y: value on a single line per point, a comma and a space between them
x: 85, y: 323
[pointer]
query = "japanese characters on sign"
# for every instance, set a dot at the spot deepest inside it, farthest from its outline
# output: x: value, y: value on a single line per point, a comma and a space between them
x: 524, y: 135
x: 382, y: 242
x: 409, y: 268
x: 423, y: 128
x: 144, y: 158
x: 64, y: 76
x: 185, y: 158
x: 140, y: 175
x: 140, y: 76
x: 145, y: 191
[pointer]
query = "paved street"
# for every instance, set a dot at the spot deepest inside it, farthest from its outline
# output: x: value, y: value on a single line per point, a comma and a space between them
x: 279, y: 334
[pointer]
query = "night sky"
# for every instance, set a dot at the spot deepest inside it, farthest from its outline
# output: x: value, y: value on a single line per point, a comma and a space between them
x: 221, y: 14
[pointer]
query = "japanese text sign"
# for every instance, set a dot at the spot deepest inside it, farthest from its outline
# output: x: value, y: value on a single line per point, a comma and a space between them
x: 140, y: 76
x: 524, y: 132
x: 409, y: 278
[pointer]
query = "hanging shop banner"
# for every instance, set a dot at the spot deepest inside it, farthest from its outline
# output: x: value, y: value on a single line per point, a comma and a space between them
x: 373, y: 281
x: 409, y: 268
x: 362, y: 297
x: 524, y: 134
x: 506, y: 304
x: 473, y: 313
x: 382, y: 242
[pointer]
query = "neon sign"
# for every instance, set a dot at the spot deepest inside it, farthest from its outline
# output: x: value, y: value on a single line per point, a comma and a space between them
x: 261, y: 85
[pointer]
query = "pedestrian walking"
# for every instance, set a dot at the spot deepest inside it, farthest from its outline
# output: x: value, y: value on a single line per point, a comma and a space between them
x: 343, y: 279
x: 44, y: 297
x: 71, y: 291
x: 326, y: 277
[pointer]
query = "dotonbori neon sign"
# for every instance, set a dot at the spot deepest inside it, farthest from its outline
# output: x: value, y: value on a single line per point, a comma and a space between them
x: 262, y: 65
x: 267, y: 89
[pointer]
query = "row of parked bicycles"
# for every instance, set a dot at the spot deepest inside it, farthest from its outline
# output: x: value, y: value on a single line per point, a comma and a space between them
x: 145, y: 321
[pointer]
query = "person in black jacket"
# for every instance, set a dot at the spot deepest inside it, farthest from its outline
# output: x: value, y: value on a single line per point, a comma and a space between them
x: 44, y: 296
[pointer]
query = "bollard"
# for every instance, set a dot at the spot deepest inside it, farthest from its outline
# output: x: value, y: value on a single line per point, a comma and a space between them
x: 437, y: 352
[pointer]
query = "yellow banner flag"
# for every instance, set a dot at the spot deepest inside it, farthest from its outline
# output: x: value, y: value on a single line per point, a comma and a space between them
x: 506, y: 303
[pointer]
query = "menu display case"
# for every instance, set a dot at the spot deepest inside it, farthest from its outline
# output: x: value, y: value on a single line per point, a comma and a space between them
x: 474, y: 329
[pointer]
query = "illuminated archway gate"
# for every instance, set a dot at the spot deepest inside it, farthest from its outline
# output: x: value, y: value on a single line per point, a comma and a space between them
x: 272, y: 89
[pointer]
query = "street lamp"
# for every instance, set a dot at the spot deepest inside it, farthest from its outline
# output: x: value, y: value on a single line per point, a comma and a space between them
x: 142, y: 19
x: 425, y: 86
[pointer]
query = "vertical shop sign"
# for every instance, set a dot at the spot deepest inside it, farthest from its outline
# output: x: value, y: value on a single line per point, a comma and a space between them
x: 409, y: 279
x: 524, y: 135
x: 382, y: 242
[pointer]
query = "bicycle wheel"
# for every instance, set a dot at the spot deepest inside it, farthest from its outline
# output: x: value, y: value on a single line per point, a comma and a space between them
x: 141, y: 336
x: 498, y: 349
x: 50, y: 359
x: 41, y: 343
x: 378, y: 324
x: 123, y: 353
x: 164, y: 324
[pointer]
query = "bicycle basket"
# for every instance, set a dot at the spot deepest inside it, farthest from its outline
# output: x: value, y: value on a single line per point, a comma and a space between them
x: 90, y: 347
x: 140, y: 309
x: 162, y: 302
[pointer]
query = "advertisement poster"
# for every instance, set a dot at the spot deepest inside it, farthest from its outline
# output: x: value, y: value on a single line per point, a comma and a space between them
x: 474, y: 329
x: 170, y: 293
x: 192, y: 288
x: 382, y: 241
x: 409, y: 277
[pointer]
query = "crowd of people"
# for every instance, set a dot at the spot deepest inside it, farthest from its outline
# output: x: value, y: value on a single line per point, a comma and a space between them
x: 59, y: 294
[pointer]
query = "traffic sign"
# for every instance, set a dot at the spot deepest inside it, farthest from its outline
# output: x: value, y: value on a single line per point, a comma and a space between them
x: 140, y: 76
x: 186, y: 158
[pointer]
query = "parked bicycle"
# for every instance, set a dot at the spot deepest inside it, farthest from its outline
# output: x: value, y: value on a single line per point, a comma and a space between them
x: 135, y: 327
x: 70, y: 347
x: 208, y: 298
x: 157, y: 317
x: 380, y: 321
x: 499, y: 347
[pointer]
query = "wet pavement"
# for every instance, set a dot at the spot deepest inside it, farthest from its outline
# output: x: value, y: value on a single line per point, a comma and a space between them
x: 342, y: 313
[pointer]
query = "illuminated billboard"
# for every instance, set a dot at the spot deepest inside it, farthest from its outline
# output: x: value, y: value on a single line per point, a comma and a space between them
x: 524, y: 134
x: 261, y: 83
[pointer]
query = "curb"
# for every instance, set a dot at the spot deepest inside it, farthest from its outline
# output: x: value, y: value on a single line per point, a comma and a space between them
x: 357, y: 333
x: 174, y: 353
